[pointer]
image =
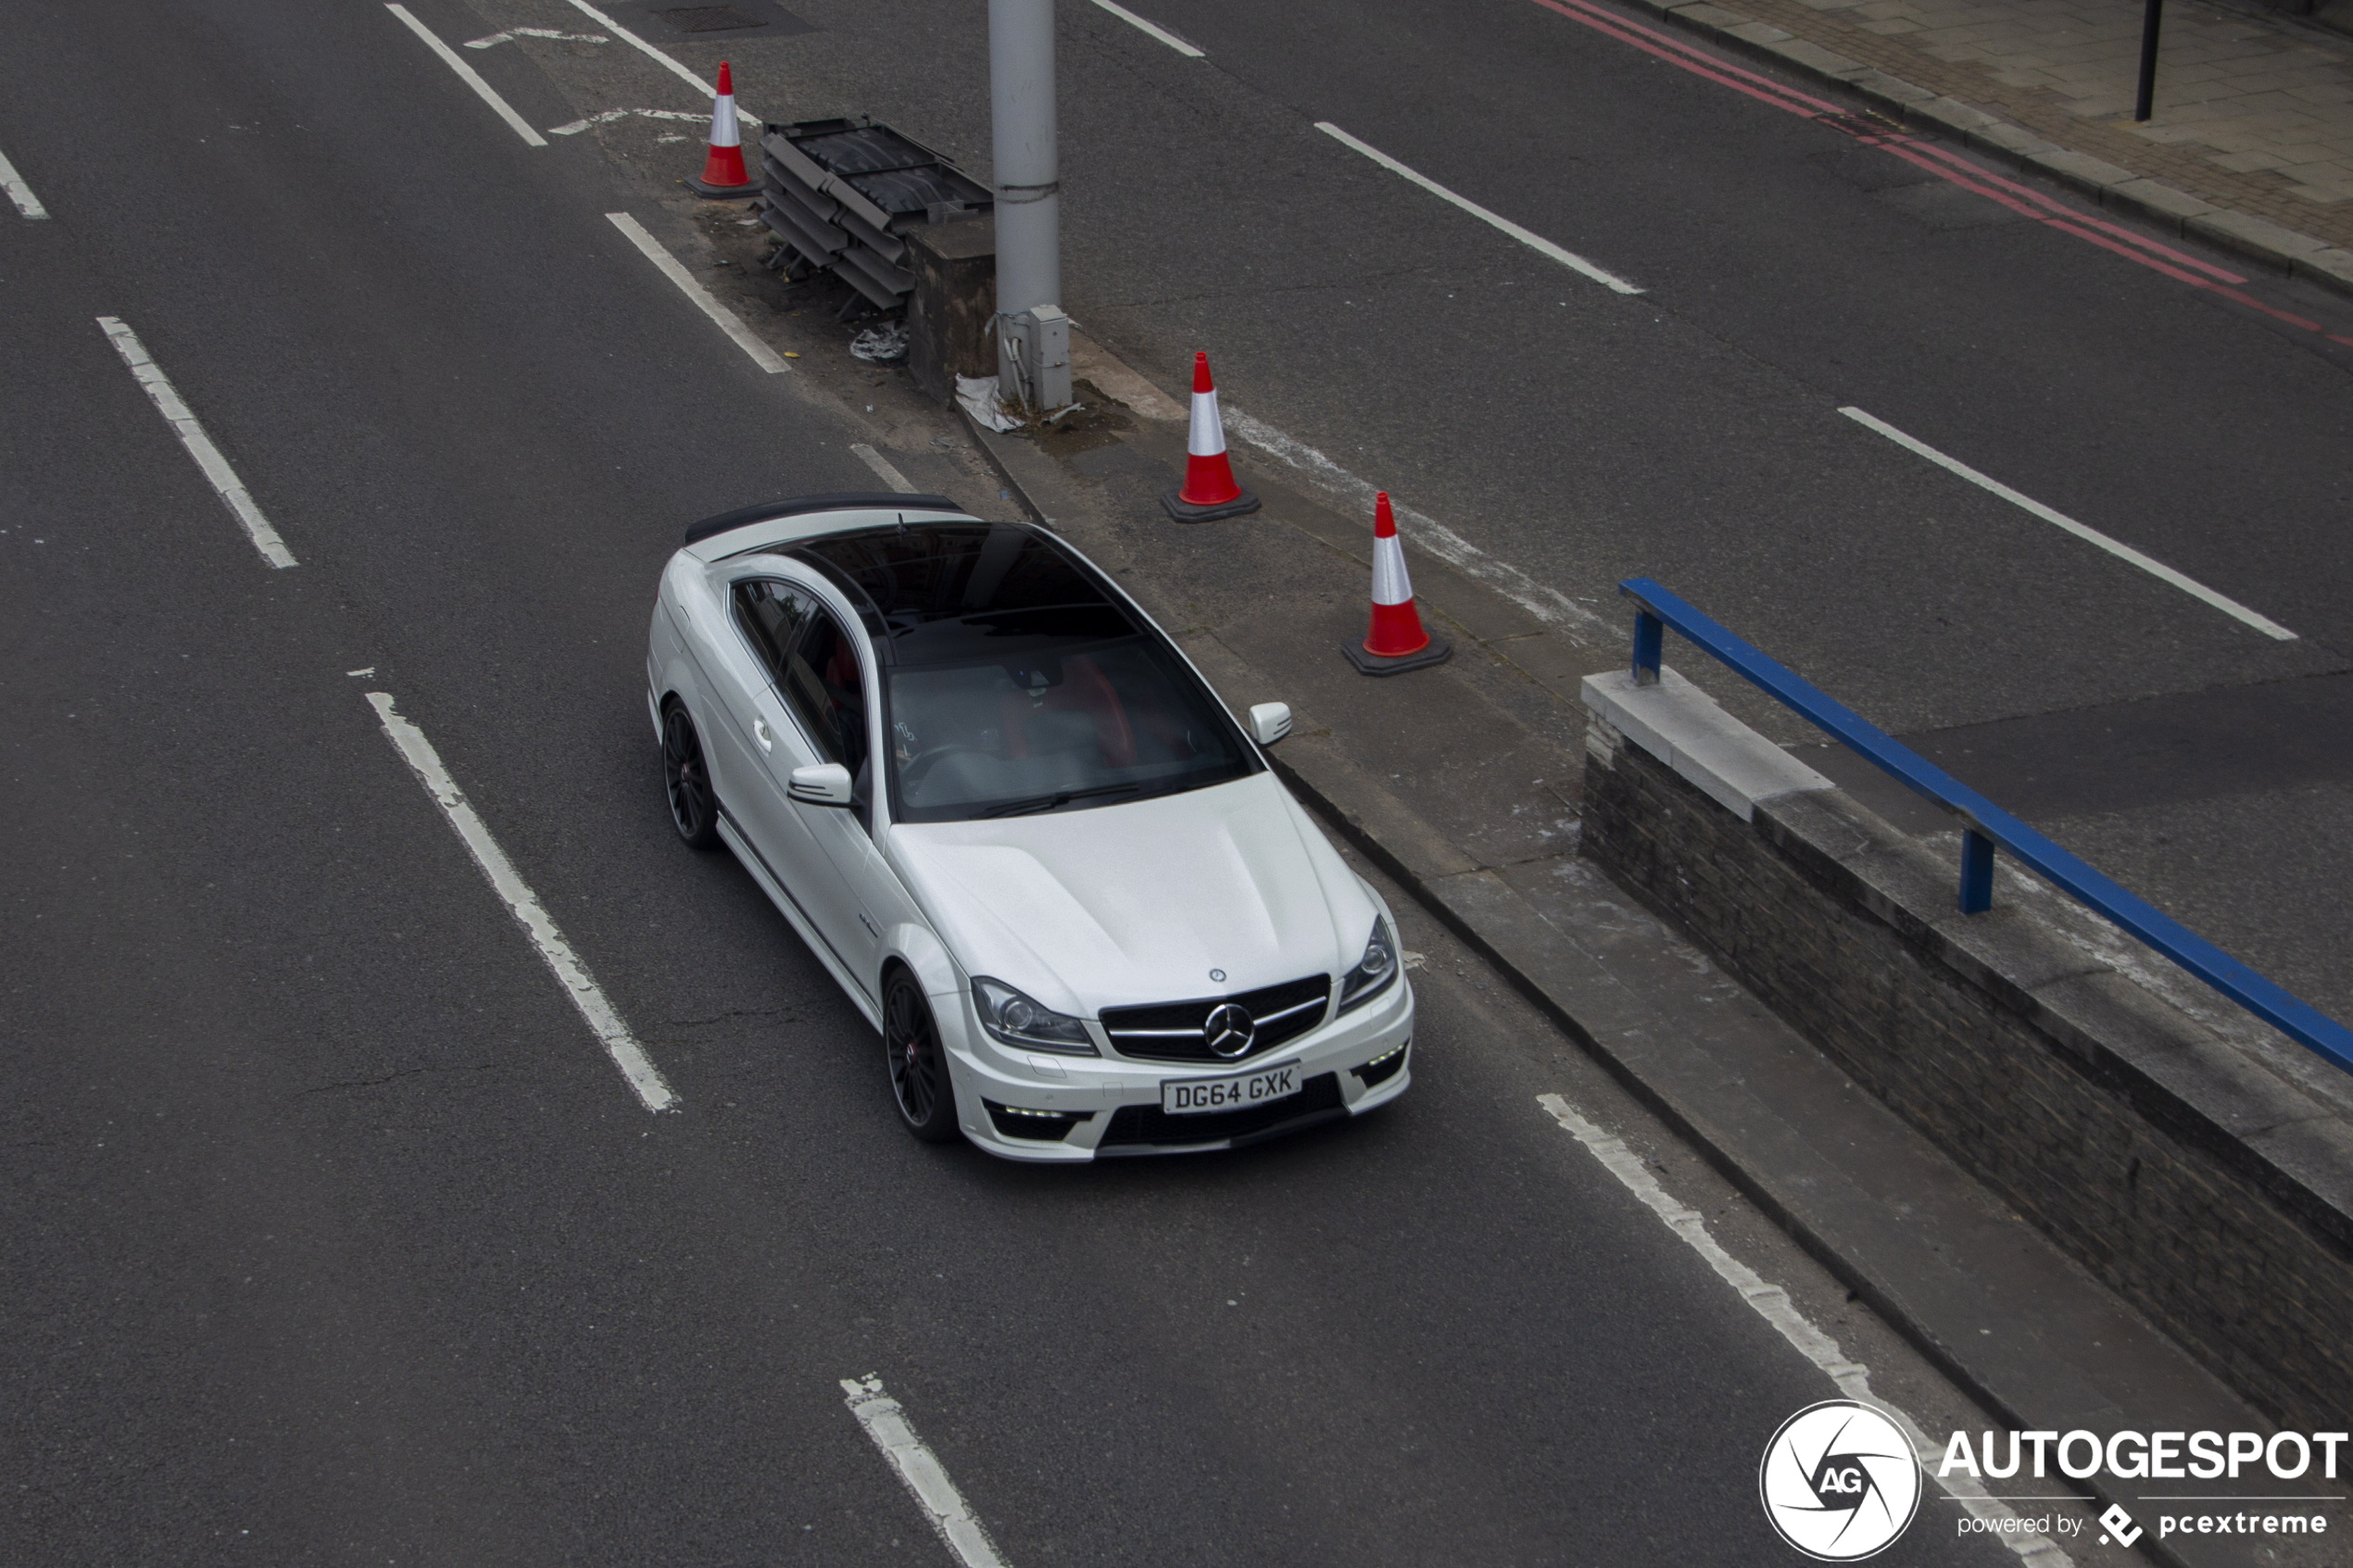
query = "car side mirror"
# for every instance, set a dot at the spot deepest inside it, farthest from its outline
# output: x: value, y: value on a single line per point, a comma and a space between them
x: 823, y: 784
x: 1269, y: 722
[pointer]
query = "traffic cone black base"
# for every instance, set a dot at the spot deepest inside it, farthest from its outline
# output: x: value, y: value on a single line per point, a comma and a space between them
x: 1184, y: 511
x: 1437, y: 652
x: 722, y: 192
x: 1397, y: 641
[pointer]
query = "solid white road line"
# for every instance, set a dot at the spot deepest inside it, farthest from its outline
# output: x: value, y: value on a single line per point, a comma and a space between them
x: 512, y: 34
x: 761, y: 355
x: 2122, y: 551
x: 472, y: 79
x: 1537, y: 243
x: 1132, y: 20
x: 888, y: 1424
x: 183, y: 424
x: 701, y: 87
x: 19, y: 192
x: 1548, y: 604
x: 881, y: 465
x: 1772, y: 1303
x: 570, y: 971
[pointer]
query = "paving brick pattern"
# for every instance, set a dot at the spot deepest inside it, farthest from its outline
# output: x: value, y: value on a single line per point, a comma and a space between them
x: 2250, y: 114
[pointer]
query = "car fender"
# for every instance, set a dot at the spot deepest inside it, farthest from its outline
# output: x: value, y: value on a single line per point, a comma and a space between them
x: 921, y: 951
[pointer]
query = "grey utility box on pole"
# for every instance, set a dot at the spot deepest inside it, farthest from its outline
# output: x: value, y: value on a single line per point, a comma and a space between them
x: 1033, y: 337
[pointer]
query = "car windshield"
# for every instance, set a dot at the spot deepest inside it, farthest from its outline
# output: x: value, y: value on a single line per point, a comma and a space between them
x: 1087, y: 723
x: 1017, y: 680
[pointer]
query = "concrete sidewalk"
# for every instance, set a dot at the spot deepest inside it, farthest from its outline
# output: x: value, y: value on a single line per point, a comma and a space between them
x: 2250, y: 144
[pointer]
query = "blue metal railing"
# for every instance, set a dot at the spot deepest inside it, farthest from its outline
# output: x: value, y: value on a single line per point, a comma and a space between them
x: 1984, y: 825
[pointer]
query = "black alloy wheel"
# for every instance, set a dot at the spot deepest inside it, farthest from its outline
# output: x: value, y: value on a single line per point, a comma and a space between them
x: 918, y: 1070
x: 694, y: 809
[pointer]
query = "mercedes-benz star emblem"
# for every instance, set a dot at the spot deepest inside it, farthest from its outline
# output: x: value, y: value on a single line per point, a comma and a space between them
x: 1227, y: 1030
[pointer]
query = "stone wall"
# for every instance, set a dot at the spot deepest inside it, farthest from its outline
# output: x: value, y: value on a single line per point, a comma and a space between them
x: 952, y: 313
x: 2190, y: 1175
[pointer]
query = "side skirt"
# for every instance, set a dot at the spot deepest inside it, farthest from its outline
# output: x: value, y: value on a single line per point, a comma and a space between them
x: 749, y: 859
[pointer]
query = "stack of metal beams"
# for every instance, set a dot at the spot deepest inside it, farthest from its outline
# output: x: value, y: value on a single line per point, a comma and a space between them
x: 842, y: 193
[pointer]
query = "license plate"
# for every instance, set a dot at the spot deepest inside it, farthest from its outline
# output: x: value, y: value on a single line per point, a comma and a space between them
x: 1187, y: 1097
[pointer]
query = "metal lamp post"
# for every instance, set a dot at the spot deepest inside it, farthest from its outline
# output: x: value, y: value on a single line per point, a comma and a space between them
x: 1033, y: 335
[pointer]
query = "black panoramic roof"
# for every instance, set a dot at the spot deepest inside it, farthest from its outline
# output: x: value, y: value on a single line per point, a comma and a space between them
x: 932, y: 591
x: 796, y: 506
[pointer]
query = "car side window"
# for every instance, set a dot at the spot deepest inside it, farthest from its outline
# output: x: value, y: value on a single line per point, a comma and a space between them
x: 772, y: 617
x: 824, y: 683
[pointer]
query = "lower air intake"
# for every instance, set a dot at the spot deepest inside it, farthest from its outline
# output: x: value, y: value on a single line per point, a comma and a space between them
x: 1317, y: 1100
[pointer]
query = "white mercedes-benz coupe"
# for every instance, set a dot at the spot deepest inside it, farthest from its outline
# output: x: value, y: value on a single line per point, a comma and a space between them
x: 1017, y: 825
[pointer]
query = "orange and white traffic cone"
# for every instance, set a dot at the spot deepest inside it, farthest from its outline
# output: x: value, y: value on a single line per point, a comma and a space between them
x: 723, y: 171
x: 1209, y: 490
x: 1396, y: 641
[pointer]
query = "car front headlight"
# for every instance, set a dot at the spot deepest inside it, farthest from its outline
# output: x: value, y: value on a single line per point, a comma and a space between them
x: 1014, y: 1019
x: 1373, y: 972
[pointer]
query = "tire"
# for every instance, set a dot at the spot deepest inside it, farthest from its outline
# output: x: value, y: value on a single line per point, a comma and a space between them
x: 918, y: 1068
x: 685, y: 777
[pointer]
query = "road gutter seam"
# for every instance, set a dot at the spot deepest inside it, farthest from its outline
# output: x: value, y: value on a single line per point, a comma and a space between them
x: 1772, y: 1303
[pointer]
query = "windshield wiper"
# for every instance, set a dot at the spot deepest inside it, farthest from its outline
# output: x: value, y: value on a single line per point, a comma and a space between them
x: 1059, y: 798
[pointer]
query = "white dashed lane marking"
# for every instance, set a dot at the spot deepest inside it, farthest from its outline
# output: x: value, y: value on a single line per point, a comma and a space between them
x: 761, y: 355
x: 888, y: 1424
x: 702, y: 89
x: 1132, y: 20
x: 1772, y: 1303
x: 216, y: 469
x: 19, y: 192
x: 471, y: 77
x: 882, y: 466
x: 1533, y: 240
x: 570, y: 972
x: 2116, y: 547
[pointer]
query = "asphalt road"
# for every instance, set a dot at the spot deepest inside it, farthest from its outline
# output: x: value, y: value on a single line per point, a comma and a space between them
x: 1692, y: 433
x: 334, y: 1237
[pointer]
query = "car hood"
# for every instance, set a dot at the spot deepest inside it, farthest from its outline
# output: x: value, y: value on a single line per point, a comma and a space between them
x: 1137, y: 903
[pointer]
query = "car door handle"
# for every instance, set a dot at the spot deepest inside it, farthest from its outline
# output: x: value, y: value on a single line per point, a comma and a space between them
x: 760, y: 732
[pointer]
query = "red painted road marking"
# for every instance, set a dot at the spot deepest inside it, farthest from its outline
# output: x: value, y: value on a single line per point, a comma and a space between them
x: 1940, y: 161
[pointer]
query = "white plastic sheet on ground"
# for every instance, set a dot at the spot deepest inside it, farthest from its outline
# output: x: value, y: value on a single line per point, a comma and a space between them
x: 978, y: 395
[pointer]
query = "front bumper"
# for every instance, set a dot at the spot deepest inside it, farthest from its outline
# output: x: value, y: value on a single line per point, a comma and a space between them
x: 1083, y: 1108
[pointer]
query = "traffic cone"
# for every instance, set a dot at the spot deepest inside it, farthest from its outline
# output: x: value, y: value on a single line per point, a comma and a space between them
x: 1209, y: 490
x: 1396, y: 641
x: 723, y: 171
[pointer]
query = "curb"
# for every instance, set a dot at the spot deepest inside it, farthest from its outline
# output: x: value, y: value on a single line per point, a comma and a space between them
x: 2177, y: 211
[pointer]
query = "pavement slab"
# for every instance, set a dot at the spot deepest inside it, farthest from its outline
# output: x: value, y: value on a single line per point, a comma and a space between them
x: 2254, y: 110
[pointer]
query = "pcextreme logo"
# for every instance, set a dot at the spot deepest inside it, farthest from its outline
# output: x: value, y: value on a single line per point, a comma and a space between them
x: 1838, y: 1481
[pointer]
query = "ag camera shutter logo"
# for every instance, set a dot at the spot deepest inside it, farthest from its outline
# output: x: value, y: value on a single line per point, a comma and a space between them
x: 1838, y: 1481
